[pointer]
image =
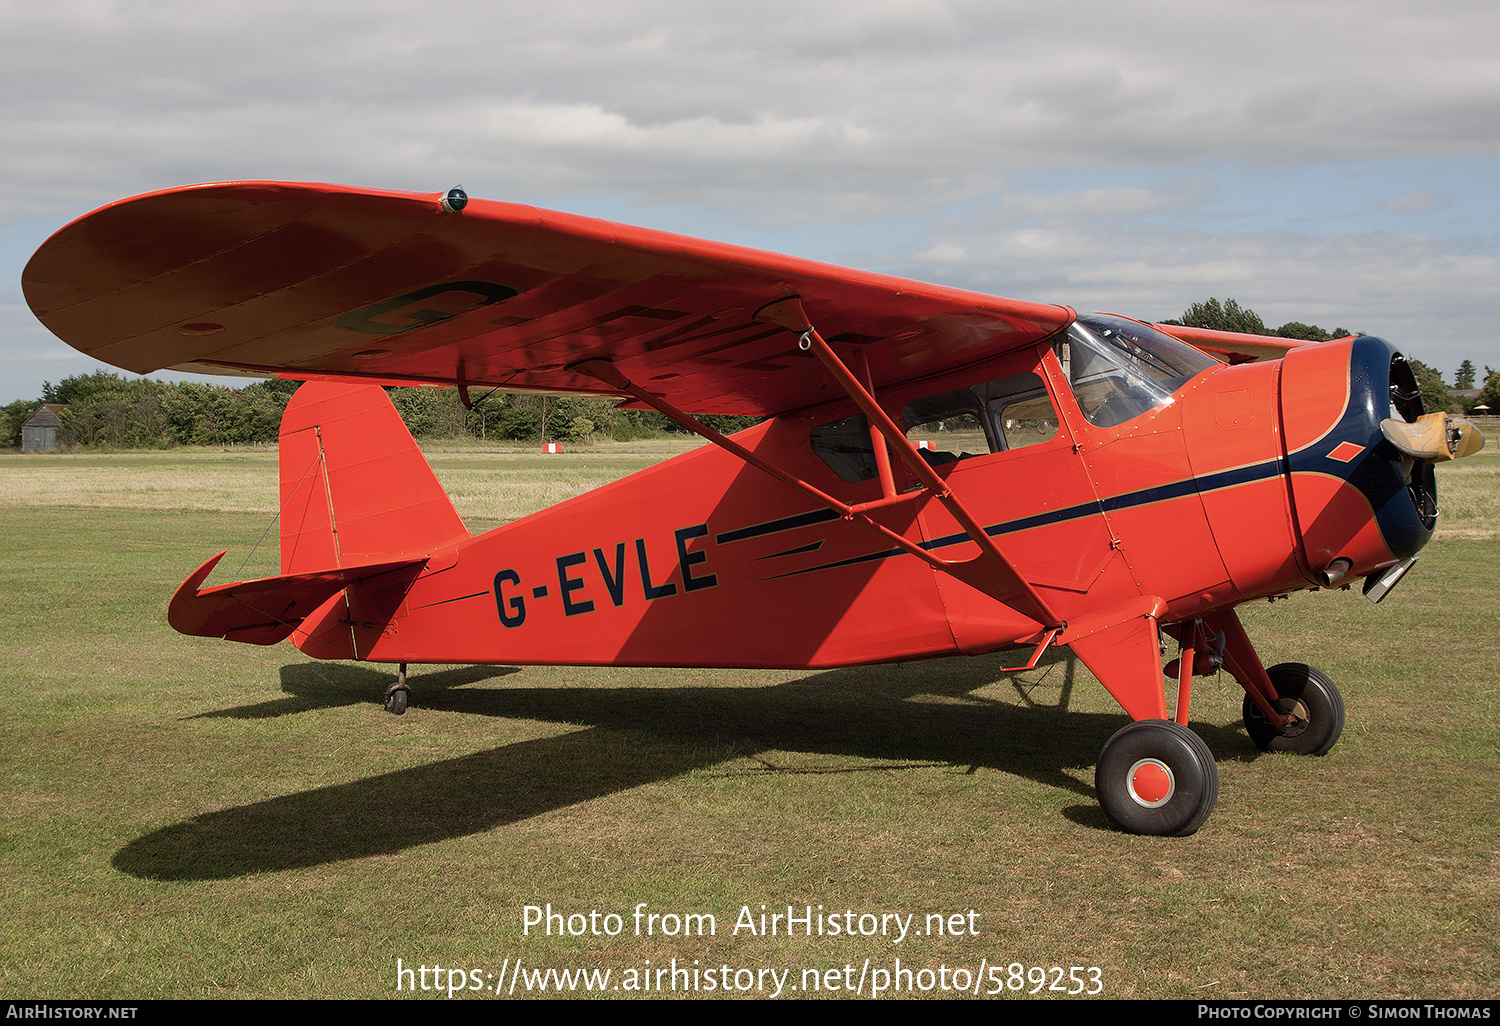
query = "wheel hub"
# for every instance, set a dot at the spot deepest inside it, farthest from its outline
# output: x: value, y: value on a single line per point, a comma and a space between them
x: 1151, y: 783
x: 1296, y: 715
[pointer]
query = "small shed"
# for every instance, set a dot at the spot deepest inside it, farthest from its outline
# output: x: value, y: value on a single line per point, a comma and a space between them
x: 39, y: 432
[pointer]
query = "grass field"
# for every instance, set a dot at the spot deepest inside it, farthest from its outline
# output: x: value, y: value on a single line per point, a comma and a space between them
x: 191, y: 818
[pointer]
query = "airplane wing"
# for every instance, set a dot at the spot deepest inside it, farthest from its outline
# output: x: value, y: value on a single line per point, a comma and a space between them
x: 1234, y: 346
x: 329, y: 282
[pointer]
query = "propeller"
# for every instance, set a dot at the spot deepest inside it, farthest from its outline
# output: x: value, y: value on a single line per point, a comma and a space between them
x: 1433, y: 437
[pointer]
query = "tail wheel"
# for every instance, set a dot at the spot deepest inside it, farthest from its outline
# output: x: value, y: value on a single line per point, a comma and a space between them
x: 397, y: 694
x: 1311, y: 700
x: 1157, y: 777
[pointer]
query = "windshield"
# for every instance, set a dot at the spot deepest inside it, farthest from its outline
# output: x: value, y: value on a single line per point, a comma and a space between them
x: 1120, y: 368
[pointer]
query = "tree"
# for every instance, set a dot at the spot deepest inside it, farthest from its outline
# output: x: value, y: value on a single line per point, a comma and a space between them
x: 1228, y: 316
x: 1464, y: 376
x: 1490, y: 395
x: 430, y: 412
x: 728, y: 423
x: 81, y: 386
x: 11, y: 419
x: 1306, y: 332
x: 524, y: 417
x: 1435, y: 398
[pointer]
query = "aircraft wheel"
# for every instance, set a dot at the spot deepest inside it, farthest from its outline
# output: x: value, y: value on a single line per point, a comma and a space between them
x: 395, y: 701
x: 1314, y: 703
x: 1157, y: 777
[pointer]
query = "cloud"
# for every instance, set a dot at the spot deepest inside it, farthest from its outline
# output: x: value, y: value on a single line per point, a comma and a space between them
x: 1412, y: 202
x: 1084, y: 142
x: 1432, y: 296
x: 673, y: 101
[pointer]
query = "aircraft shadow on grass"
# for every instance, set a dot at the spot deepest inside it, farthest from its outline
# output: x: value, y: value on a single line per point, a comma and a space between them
x: 897, y: 715
x: 311, y: 686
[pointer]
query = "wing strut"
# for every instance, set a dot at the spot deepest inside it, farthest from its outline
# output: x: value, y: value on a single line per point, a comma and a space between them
x: 989, y: 572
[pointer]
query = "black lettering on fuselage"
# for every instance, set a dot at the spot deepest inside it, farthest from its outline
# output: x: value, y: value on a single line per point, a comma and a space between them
x: 516, y: 603
x: 567, y: 585
x: 573, y: 577
x: 615, y: 584
x: 686, y: 559
x: 651, y: 591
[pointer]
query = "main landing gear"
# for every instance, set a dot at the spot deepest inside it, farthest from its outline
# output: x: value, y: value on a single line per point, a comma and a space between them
x: 1157, y: 777
x: 1314, y: 708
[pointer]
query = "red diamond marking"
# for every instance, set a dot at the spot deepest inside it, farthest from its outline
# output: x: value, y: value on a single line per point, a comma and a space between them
x: 1345, y: 451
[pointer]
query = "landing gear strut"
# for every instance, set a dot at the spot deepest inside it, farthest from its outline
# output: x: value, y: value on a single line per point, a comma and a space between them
x: 397, y: 694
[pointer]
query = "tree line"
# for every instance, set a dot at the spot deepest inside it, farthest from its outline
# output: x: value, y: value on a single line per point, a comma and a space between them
x: 102, y: 410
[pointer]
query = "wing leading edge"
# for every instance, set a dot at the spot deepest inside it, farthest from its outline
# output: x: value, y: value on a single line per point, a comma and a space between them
x: 330, y: 282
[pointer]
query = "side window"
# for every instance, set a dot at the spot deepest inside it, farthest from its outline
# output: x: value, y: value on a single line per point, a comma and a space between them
x: 845, y: 446
x: 1020, y: 411
x: 947, y: 427
x: 1006, y: 413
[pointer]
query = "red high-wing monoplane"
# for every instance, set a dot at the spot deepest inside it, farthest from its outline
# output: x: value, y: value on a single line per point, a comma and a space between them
x: 1120, y: 484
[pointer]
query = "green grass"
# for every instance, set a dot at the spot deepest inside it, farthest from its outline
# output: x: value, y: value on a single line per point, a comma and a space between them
x: 191, y: 818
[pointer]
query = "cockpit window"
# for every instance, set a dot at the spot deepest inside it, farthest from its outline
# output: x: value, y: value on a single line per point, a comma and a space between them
x: 1120, y: 369
x: 1007, y: 413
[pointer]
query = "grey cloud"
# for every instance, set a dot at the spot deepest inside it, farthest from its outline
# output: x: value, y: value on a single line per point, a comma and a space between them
x: 651, y: 99
x: 1405, y: 287
x: 798, y: 113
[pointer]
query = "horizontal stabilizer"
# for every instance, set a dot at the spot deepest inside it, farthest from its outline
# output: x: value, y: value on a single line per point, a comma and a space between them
x: 264, y: 611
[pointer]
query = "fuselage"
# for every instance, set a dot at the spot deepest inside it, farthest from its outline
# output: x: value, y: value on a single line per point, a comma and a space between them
x: 1244, y: 481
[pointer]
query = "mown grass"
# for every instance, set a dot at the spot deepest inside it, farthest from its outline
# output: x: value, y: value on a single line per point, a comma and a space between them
x: 489, y: 484
x: 189, y: 818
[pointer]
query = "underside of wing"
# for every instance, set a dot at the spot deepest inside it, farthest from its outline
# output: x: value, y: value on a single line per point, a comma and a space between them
x: 321, y: 281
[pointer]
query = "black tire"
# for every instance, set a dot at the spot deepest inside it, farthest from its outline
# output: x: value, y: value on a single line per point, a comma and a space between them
x: 1157, y: 777
x: 1308, y: 695
x: 396, y: 702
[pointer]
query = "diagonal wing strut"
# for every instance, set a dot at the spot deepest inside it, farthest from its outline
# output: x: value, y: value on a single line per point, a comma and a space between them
x: 989, y: 571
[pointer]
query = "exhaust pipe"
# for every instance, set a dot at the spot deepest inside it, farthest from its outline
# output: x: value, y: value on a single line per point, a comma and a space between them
x: 1334, y: 572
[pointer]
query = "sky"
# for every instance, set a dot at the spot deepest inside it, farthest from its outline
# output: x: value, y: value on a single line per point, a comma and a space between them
x: 1330, y: 162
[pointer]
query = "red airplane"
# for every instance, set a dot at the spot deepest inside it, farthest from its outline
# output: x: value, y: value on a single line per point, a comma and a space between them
x: 1121, y: 486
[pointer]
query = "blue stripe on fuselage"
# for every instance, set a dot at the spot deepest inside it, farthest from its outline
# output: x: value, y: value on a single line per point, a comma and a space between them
x: 1143, y: 497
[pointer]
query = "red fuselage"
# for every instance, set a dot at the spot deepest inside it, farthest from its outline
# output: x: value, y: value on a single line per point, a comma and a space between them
x: 1205, y: 501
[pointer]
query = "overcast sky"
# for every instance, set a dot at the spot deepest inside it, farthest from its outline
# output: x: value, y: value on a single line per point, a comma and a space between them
x: 1331, y: 162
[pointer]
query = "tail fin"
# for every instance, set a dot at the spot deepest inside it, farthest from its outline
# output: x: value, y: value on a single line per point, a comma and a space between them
x: 354, y: 486
x: 360, y: 506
